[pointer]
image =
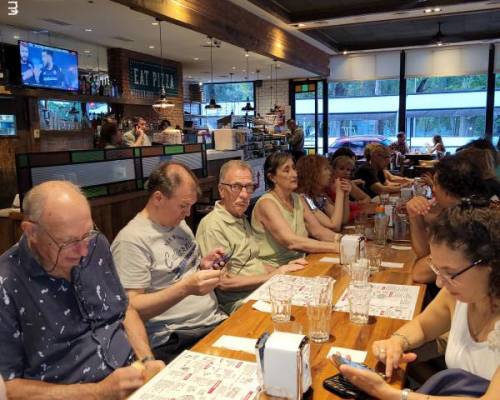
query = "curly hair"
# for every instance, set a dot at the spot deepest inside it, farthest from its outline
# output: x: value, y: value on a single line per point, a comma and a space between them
x: 474, y: 228
x: 459, y: 177
x: 308, y: 170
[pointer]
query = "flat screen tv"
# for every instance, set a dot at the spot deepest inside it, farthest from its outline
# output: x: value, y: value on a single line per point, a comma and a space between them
x: 48, y: 67
x: 7, y: 125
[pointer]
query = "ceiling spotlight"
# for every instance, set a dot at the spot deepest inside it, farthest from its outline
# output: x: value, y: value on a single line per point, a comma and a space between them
x: 247, y: 55
x: 196, y: 58
x: 233, y: 67
x: 88, y: 29
x: 301, y: 25
x: 151, y: 46
x: 428, y: 10
x: 344, y: 52
x: 437, y: 9
x: 17, y: 37
x: 200, y: 83
x: 155, y: 23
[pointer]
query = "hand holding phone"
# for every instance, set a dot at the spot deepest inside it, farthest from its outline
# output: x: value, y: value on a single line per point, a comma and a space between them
x: 222, y: 262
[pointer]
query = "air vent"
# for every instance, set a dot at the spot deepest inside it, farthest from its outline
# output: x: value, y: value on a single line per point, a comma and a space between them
x: 56, y: 21
x: 122, y: 39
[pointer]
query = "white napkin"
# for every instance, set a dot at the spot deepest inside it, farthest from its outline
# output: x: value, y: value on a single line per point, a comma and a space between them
x: 334, y: 260
x: 356, y: 355
x: 388, y: 264
x: 263, y: 306
x: 398, y: 247
x: 349, y: 227
x: 236, y: 343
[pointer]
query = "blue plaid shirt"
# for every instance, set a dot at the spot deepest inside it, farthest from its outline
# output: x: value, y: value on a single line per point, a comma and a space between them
x: 59, y: 331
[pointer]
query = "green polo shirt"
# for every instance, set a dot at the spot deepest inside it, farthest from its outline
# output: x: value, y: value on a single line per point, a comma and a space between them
x: 221, y: 229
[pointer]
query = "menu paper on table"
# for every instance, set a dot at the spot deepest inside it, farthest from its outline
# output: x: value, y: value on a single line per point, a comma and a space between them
x: 387, y: 300
x: 201, y: 376
x: 301, y: 287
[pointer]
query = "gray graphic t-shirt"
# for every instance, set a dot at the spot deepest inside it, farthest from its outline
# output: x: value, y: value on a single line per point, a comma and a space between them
x: 152, y: 257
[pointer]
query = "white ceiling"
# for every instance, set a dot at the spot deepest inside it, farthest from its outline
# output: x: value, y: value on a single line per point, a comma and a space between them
x: 110, y: 21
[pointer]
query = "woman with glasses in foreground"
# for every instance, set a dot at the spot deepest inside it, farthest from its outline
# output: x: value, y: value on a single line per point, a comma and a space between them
x: 465, y: 255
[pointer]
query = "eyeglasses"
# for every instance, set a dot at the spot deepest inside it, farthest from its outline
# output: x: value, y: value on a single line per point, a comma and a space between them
x: 449, y: 278
x: 71, y: 244
x: 236, y: 188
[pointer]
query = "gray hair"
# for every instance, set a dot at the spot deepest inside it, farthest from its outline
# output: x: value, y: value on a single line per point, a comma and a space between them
x: 34, y: 201
x: 237, y: 164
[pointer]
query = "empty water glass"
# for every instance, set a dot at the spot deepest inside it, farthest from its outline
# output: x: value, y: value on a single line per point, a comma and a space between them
x: 319, y: 309
x: 359, y: 271
x: 280, y: 294
x: 359, y: 295
x: 374, y: 255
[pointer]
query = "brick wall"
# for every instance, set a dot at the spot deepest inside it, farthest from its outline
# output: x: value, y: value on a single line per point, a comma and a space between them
x: 266, y: 96
x: 118, y: 65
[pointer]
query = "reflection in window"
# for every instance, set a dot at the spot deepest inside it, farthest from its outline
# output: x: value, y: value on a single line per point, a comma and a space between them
x: 496, y: 114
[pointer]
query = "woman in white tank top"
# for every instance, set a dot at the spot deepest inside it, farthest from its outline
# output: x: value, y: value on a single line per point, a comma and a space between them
x: 465, y: 256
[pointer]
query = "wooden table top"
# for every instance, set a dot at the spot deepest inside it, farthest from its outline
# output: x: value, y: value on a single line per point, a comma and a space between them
x: 248, y: 322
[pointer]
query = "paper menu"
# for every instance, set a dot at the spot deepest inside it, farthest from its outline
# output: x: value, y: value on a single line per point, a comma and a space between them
x: 197, y: 376
x: 387, y: 300
x: 301, y: 288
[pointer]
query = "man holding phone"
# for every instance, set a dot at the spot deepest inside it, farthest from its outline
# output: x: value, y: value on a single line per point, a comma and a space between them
x: 160, y: 266
x: 227, y: 227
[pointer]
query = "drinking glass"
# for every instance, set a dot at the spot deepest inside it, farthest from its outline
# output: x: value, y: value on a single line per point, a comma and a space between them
x: 374, y: 255
x: 359, y: 271
x: 319, y: 309
x: 280, y: 294
x: 359, y: 294
x: 384, y: 198
x: 380, y: 226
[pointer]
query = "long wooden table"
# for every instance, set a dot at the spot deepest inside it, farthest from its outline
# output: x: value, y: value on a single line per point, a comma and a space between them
x: 248, y: 322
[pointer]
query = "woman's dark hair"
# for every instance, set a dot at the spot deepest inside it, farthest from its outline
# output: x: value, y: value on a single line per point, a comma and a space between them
x: 108, y: 130
x: 341, y: 151
x: 164, y: 124
x: 459, y: 177
x: 483, y: 144
x: 272, y: 163
x: 474, y: 228
x: 437, y: 139
x: 308, y: 170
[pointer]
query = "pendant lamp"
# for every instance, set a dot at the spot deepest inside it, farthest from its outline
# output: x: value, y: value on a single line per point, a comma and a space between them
x: 162, y: 105
x: 212, y: 105
x: 248, y: 107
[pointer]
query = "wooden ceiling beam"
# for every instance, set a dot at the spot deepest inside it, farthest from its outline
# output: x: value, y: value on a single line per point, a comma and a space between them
x: 230, y: 23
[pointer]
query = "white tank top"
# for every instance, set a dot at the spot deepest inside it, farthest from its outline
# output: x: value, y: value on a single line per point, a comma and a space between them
x: 462, y: 351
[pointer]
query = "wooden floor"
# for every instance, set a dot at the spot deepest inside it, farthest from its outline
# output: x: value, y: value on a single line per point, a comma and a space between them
x: 248, y: 322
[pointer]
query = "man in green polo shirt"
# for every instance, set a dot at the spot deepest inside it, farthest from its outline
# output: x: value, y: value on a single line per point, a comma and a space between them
x: 227, y: 226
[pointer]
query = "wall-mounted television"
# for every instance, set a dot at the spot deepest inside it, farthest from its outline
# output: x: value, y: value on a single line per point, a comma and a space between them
x: 48, y: 67
x: 7, y: 125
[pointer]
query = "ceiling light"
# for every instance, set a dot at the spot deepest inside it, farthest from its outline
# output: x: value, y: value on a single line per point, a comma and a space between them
x: 151, y: 46
x: 344, y: 52
x: 162, y: 105
x: 155, y: 23
x: 196, y: 58
x: 437, y: 9
x: 233, y: 67
x: 428, y: 10
x: 301, y: 25
x: 88, y: 29
x: 438, y: 38
x: 200, y: 83
x: 246, y: 54
x: 212, y: 105
x: 86, y: 51
x: 17, y: 37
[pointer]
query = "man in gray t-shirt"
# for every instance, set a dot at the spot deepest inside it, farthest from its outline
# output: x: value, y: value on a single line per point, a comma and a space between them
x: 159, y: 264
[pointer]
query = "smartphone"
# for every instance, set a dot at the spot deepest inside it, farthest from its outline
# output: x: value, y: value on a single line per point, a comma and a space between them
x: 310, y: 203
x: 343, y: 388
x: 339, y: 360
x: 224, y: 259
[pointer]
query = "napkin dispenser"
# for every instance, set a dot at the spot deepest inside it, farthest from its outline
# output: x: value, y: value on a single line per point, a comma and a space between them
x: 352, y: 247
x: 283, y: 360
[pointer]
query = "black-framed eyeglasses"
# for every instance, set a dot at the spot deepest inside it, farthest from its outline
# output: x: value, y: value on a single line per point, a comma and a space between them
x: 89, y: 236
x: 449, y: 278
x: 236, y: 188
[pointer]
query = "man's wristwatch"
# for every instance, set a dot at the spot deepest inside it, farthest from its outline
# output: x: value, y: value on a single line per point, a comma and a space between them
x: 405, y: 393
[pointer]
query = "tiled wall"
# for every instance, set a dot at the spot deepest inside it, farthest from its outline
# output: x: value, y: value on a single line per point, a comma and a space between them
x: 266, y: 96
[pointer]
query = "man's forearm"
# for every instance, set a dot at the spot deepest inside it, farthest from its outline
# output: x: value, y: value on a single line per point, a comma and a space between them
x: 24, y: 389
x: 137, y: 335
x: 236, y: 283
x: 149, y: 305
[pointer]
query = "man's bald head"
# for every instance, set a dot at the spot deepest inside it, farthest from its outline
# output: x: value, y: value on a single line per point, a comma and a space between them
x: 169, y: 176
x: 53, y: 199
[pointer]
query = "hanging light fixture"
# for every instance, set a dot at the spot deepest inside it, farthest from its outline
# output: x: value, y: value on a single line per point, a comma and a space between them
x: 162, y: 105
x: 212, y: 105
x: 438, y: 38
x: 248, y: 107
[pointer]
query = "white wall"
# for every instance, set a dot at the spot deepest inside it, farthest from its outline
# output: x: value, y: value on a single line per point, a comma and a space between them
x: 265, y: 96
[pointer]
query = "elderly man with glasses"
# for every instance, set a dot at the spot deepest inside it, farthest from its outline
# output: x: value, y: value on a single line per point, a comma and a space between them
x: 66, y: 328
x: 227, y: 227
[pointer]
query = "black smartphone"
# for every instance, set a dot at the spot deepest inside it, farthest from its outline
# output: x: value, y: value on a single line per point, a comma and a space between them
x: 338, y: 360
x: 224, y: 259
x: 339, y: 385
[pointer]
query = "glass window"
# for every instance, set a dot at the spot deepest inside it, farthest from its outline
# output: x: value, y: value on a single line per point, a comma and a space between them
x: 305, y: 95
x: 365, y: 109
x: 496, y: 113
x: 453, y: 107
x: 232, y: 97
